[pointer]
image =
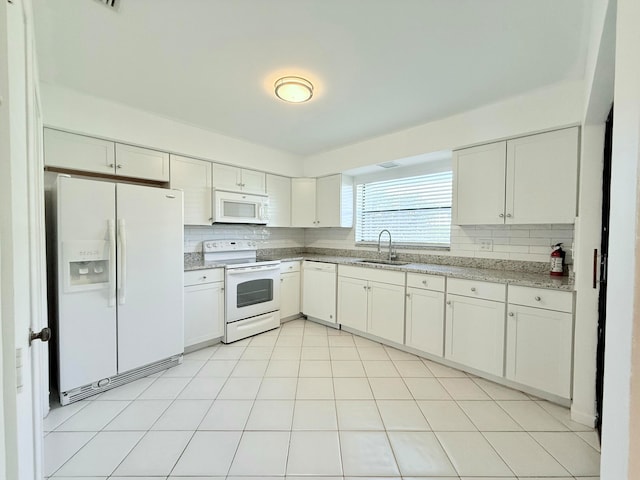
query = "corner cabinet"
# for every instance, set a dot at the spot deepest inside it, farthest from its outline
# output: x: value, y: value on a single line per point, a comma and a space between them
x: 475, y: 324
x: 203, y: 306
x: 425, y: 313
x: 540, y: 339
x: 319, y: 290
x: 193, y: 177
x: 527, y: 180
x: 322, y: 202
x: 279, y: 192
x: 372, y: 301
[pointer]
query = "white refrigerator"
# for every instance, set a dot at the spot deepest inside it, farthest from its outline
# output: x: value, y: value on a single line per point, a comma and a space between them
x: 119, y: 283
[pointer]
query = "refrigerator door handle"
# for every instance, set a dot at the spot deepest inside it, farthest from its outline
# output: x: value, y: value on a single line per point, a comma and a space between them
x: 122, y: 271
x: 112, y: 263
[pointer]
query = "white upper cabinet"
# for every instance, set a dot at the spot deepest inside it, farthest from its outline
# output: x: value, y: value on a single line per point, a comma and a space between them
x: 140, y: 162
x: 279, y: 191
x: 528, y: 180
x: 303, y: 202
x: 193, y: 177
x: 322, y: 202
x: 478, y: 187
x: 226, y: 177
x: 542, y: 178
x: 78, y: 152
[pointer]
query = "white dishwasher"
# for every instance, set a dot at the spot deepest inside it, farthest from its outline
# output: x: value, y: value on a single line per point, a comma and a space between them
x: 319, y: 284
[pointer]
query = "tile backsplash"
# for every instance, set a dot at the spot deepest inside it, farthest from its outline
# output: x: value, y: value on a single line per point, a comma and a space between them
x: 507, y: 242
x: 266, y: 237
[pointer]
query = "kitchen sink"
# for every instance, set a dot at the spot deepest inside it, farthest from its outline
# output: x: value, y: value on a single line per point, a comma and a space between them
x: 384, y: 262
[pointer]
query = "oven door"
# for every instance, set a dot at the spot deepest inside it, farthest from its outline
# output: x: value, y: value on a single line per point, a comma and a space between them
x: 252, y: 291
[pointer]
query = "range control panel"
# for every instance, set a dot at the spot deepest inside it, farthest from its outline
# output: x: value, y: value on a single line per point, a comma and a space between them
x: 210, y: 246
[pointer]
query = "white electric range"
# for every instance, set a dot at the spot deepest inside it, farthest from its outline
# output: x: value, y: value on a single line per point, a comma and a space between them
x: 252, y: 299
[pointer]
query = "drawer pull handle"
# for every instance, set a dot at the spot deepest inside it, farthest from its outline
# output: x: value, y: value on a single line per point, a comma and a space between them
x: 282, y: 279
x: 511, y: 314
x: 424, y: 282
x: 538, y: 299
x: 473, y: 289
x: 448, y: 302
x: 204, y: 277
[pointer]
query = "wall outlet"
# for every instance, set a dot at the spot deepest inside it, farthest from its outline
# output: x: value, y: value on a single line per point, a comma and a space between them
x: 486, y: 244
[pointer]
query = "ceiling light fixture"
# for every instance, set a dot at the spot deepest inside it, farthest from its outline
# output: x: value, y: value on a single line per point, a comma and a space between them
x: 293, y: 89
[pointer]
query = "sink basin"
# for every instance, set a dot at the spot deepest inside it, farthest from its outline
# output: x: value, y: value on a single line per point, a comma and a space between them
x: 384, y: 262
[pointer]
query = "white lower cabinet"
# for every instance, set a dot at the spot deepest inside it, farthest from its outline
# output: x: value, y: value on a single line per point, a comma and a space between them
x: 475, y: 327
x: 203, y: 306
x: 539, y: 341
x: 425, y: 313
x: 319, y: 290
x: 289, y: 289
x: 372, y: 301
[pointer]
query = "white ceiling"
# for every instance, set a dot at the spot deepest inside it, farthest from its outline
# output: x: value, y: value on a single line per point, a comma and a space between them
x: 378, y: 65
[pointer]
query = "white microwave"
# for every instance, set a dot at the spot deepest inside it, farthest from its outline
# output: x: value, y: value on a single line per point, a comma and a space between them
x: 237, y: 207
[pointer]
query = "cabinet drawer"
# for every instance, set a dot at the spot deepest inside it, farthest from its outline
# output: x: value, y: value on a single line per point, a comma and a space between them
x: 541, y: 298
x: 477, y: 289
x: 199, y: 277
x: 424, y: 281
x: 289, y: 267
x: 373, y: 274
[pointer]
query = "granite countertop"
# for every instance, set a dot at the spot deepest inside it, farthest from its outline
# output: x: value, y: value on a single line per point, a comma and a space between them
x: 539, y: 280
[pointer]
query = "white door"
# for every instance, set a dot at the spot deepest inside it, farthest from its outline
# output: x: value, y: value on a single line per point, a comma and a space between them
x: 150, y: 293
x: 203, y: 313
x: 22, y: 297
x: 328, y: 201
x: 542, y: 178
x: 226, y: 177
x: 289, y: 294
x: 193, y: 177
x: 386, y: 311
x: 279, y: 192
x: 479, y: 185
x: 425, y: 321
x: 140, y: 162
x: 86, y: 330
x: 353, y: 303
x: 475, y: 333
x: 303, y: 202
x: 539, y: 349
x: 78, y: 152
x: 253, y: 181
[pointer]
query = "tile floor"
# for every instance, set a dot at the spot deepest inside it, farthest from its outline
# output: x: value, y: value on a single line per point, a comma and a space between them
x: 305, y: 401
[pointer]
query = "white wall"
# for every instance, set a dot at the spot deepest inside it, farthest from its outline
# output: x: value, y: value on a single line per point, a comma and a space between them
x: 622, y: 286
x: 80, y: 113
x: 553, y: 107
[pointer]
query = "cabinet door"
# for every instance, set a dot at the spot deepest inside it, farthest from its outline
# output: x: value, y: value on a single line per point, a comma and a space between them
x: 542, y: 178
x: 539, y: 349
x: 253, y: 181
x: 328, y: 201
x: 279, y: 191
x: 226, y: 177
x: 479, y: 185
x: 386, y: 311
x: 203, y: 313
x: 141, y: 163
x: 289, y: 294
x: 475, y: 333
x: 353, y: 303
x: 303, y: 202
x: 77, y: 152
x: 319, y: 295
x: 193, y: 177
x: 425, y: 321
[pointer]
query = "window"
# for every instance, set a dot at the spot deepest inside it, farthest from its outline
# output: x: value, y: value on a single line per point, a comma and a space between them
x: 417, y: 210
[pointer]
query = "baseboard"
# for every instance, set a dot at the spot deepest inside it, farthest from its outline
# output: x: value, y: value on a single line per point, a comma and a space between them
x: 584, y: 418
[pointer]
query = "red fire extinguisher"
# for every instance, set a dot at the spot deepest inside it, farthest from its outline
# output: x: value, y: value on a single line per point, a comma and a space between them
x: 557, y: 260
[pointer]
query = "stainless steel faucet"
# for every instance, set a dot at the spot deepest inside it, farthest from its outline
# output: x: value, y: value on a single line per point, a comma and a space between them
x: 390, y: 249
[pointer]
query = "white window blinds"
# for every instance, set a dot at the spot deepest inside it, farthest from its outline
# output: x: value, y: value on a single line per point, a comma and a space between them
x: 415, y: 209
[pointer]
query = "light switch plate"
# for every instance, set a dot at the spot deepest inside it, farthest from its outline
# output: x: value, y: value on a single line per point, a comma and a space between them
x: 486, y: 244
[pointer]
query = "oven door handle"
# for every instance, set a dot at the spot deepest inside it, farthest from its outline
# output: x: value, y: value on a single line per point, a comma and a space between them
x: 239, y: 271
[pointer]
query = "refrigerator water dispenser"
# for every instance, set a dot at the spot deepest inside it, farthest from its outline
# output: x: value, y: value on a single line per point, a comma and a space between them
x: 87, y: 265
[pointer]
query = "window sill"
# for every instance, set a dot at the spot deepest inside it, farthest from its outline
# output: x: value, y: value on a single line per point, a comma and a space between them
x: 406, y: 246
